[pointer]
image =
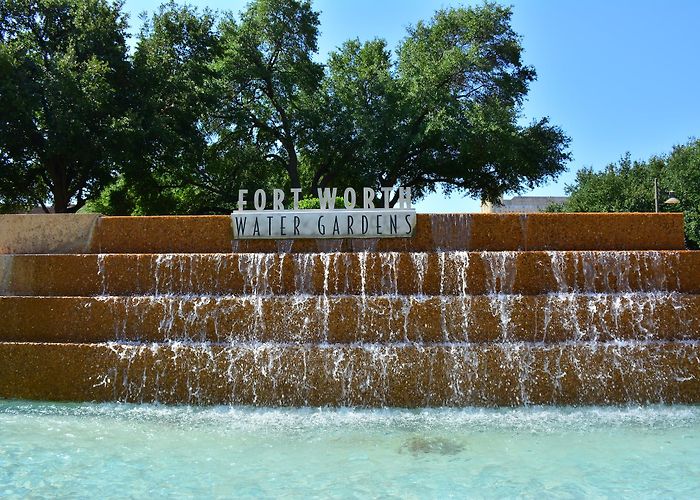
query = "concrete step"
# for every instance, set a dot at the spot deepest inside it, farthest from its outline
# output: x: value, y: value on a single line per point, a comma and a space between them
x: 369, y: 273
x: 349, y: 319
x: 72, y: 233
x: 360, y: 375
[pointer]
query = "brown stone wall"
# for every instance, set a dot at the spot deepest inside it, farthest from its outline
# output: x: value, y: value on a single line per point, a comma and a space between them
x: 371, y: 273
x: 475, y: 309
x: 485, y: 375
x: 54, y: 233
x: 201, y: 234
x: 351, y: 319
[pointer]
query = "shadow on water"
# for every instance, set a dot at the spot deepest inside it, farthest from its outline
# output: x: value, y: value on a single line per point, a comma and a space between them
x: 421, y: 445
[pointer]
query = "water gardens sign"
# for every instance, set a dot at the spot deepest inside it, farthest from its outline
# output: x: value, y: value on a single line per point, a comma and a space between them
x: 349, y: 221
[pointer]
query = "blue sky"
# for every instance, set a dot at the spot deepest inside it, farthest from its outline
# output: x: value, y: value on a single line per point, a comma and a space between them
x: 617, y: 76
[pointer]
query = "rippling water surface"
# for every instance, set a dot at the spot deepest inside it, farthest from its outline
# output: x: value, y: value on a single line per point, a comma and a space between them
x: 117, y: 450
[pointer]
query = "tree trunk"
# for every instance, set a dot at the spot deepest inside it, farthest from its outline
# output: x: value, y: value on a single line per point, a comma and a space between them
x: 59, y: 188
x: 292, y: 164
x: 60, y: 201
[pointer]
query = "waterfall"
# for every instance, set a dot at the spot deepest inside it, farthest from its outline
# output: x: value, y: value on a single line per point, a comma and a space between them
x: 440, y: 321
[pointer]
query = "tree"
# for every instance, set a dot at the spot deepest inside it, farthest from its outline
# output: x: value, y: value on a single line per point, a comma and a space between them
x: 203, y: 109
x: 444, y: 112
x: 173, y: 70
x: 206, y: 107
x: 682, y: 175
x: 267, y: 71
x: 629, y: 187
x: 64, y: 97
x: 623, y: 187
x: 353, y: 117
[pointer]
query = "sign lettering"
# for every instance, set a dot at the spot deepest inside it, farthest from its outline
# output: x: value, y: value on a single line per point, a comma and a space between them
x: 329, y: 221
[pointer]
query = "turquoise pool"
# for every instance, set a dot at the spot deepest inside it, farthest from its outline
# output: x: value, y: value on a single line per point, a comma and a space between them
x: 117, y: 450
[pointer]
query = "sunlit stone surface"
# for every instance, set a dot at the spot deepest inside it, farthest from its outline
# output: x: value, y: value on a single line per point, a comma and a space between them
x: 463, y: 313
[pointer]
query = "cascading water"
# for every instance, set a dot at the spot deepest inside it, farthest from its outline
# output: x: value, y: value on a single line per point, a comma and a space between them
x: 447, y: 326
x: 260, y: 340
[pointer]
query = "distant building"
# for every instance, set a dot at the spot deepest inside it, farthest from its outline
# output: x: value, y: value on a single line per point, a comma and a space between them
x: 522, y: 204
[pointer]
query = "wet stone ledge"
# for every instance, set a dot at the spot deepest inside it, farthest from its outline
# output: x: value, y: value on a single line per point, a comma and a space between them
x: 350, y: 319
x: 362, y: 375
x: 214, y: 234
x: 364, y: 273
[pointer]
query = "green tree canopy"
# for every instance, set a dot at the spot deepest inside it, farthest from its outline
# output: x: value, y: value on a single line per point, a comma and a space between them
x: 64, y: 79
x: 442, y: 111
x: 267, y: 69
x: 203, y: 107
x: 173, y: 70
x: 628, y: 186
